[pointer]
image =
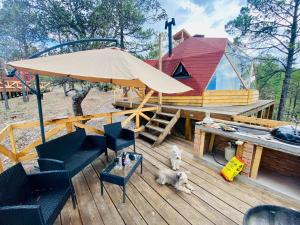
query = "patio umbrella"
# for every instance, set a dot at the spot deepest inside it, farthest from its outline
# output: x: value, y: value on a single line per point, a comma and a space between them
x: 110, y: 65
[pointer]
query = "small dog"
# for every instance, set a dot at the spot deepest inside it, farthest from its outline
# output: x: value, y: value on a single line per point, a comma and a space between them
x: 175, y: 158
x: 178, y: 180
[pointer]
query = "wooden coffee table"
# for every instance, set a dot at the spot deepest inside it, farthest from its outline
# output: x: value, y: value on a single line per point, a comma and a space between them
x: 120, y: 176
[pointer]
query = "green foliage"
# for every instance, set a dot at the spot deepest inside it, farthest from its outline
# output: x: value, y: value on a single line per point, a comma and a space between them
x: 20, y: 31
x: 272, y: 28
x: 269, y: 83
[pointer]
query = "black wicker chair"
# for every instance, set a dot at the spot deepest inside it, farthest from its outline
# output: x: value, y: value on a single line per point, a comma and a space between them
x: 70, y: 152
x: 33, y: 199
x: 117, y: 137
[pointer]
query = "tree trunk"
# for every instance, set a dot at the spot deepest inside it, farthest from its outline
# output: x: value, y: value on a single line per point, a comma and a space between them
x: 77, y: 100
x: 24, y: 93
x: 289, y: 63
x: 2, y: 75
x: 296, y: 98
x: 65, y: 89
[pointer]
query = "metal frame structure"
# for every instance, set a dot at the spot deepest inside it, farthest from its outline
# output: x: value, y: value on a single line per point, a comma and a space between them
x: 37, y: 91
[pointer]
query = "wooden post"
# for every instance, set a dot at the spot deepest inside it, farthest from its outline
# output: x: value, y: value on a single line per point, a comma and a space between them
x: 69, y: 127
x: 2, y: 75
x: 211, y: 142
x: 109, y: 118
x: 239, y: 151
x: 137, y: 121
x: 188, y: 129
x: 199, y: 143
x: 270, y: 115
x: 1, y: 167
x: 256, y: 162
x: 259, y: 114
x: 160, y: 66
x: 266, y: 113
x: 12, y: 140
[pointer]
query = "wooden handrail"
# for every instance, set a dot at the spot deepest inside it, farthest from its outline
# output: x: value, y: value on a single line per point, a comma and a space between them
x: 28, y: 153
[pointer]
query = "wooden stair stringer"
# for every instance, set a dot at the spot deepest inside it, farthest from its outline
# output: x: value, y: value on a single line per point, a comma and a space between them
x: 167, y: 129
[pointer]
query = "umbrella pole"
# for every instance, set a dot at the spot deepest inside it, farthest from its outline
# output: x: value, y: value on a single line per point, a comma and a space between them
x: 39, y: 101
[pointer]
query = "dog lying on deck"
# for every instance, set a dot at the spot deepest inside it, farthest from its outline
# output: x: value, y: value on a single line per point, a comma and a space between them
x: 178, y: 180
x: 175, y: 158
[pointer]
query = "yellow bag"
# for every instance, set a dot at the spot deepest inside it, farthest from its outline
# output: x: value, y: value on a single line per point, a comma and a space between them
x: 232, y: 168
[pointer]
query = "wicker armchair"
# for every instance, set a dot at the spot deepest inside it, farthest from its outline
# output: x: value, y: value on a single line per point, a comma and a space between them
x: 117, y: 137
x: 33, y: 199
x: 71, y: 152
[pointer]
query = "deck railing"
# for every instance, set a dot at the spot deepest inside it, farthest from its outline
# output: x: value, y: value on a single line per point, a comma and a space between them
x: 69, y: 123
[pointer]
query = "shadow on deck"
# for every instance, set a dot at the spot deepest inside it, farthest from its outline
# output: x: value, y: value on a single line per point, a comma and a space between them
x: 214, y: 201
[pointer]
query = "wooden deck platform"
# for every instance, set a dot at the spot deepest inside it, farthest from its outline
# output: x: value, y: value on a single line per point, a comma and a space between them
x: 214, y: 201
x: 221, y: 112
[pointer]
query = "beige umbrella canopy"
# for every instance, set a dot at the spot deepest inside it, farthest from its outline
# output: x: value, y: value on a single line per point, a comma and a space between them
x: 110, y: 65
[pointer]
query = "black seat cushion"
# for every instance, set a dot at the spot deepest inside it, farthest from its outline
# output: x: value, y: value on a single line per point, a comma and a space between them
x: 80, y: 159
x: 123, y: 143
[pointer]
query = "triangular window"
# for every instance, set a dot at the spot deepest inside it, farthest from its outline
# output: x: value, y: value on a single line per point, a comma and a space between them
x: 181, y: 72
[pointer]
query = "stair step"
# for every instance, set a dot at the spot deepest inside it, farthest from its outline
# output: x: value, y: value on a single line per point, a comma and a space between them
x: 159, y: 129
x: 165, y: 114
x: 160, y: 121
x: 148, y: 135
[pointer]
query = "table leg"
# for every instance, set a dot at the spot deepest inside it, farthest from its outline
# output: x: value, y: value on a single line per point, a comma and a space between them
x: 101, y: 183
x: 142, y: 167
x: 124, y: 193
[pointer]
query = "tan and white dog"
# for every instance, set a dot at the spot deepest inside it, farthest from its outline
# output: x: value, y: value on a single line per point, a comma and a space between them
x: 178, y: 180
x: 175, y: 158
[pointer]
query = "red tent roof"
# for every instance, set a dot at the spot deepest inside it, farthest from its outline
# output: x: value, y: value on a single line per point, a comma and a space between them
x: 200, y: 57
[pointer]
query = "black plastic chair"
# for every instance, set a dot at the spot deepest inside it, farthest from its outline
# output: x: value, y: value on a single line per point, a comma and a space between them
x: 118, y: 138
x: 271, y: 215
x: 33, y: 199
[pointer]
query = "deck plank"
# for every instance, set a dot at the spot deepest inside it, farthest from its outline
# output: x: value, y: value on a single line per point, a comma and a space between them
x: 70, y: 216
x: 103, y: 203
x: 87, y: 207
x: 162, y: 206
x: 128, y: 212
x: 169, y: 194
x: 252, y: 194
x: 57, y: 221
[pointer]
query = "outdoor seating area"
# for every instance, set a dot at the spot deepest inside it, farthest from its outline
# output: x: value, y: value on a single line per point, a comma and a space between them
x: 214, y: 200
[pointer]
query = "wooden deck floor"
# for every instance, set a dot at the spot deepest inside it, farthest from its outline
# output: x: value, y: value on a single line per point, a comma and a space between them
x: 214, y: 201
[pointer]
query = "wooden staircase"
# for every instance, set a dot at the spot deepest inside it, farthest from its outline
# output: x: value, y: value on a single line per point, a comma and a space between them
x: 159, y: 126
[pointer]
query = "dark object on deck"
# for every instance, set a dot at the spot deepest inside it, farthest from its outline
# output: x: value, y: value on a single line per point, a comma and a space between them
x: 70, y: 152
x: 117, y: 137
x: 271, y: 215
x: 119, y: 176
x: 288, y: 134
x: 27, y: 199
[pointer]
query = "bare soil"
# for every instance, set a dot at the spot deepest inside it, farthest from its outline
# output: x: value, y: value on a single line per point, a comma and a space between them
x: 55, y: 105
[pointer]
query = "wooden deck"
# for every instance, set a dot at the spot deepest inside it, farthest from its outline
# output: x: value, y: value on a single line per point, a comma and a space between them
x: 214, y: 201
x: 197, y: 112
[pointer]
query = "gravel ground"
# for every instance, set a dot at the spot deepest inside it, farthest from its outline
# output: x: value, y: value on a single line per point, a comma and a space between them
x: 55, y: 105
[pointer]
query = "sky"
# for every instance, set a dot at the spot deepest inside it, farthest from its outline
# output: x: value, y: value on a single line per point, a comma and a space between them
x: 206, y: 17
